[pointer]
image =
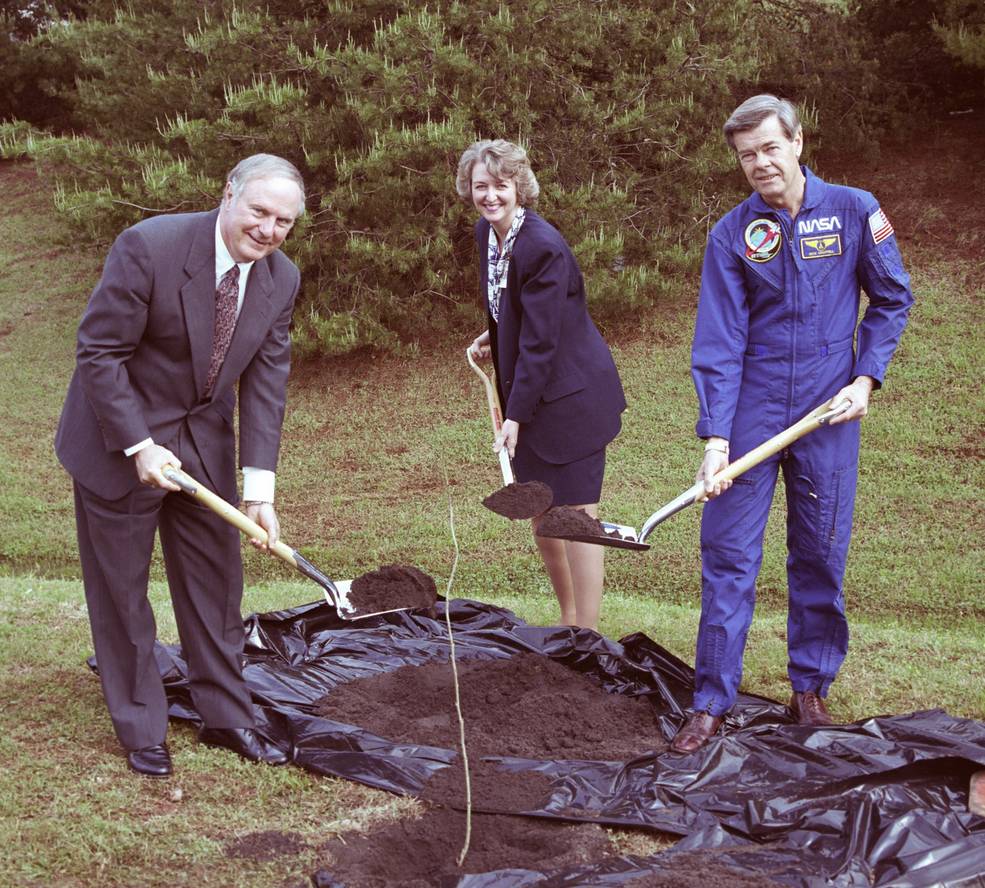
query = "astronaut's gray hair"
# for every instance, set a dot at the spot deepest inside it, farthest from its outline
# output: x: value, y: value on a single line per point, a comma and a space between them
x: 752, y: 112
x: 264, y: 166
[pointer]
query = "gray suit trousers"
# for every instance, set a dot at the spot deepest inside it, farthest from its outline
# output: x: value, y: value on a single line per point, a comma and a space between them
x: 205, y: 577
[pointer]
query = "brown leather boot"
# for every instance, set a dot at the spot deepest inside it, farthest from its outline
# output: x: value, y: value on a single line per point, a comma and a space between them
x: 697, y: 730
x: 809, y: 709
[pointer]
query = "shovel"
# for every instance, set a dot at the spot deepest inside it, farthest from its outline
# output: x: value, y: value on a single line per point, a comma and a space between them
x: 337, y: 595
x: 539, y: 499
x: 814, y: 420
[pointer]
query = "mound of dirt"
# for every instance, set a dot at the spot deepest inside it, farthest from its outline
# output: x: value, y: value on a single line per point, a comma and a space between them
x: 423, y: 853
x: 519, y: 501
x: 392, y: 586
x: 528, y: 706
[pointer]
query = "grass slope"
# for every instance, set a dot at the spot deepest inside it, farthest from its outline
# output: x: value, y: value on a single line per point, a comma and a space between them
x: 377, y: 450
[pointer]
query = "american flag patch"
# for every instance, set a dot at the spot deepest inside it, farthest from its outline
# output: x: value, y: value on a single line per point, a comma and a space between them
x: 880, y: 226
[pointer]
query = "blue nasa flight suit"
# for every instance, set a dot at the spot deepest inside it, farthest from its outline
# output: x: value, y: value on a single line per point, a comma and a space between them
x: 773, y: 339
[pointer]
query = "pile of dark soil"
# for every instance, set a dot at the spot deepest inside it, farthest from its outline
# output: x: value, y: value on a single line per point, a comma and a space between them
x: 392, y: 586
x: 528, y: 706
x: 565, y: 522
x: 491, y: 787
x: 519, y: 501
x: 423, y: 853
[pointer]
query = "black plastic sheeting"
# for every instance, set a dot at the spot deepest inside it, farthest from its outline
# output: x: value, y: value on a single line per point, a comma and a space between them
x: 879, y: 802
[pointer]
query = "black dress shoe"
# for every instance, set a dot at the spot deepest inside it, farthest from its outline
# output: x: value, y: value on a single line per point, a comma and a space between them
x: 151, y: 761
x: 245, y: 741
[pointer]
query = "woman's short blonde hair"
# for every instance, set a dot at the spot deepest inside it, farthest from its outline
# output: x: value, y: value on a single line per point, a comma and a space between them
x: 504, y: 160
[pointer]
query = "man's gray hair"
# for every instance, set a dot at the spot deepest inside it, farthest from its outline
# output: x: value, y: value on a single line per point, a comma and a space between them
x: 752, y: 112
x: 264, y: 166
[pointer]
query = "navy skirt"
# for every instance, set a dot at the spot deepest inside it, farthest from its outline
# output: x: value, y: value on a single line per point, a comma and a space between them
x: 575, y: 483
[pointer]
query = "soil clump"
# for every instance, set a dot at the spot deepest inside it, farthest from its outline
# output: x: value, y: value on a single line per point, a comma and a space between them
x: 265, y: 845
x: 392, y: 586
x: 422, y: 853
x: 565, y: 522
x: 528, y: 706
x: 700, y: 869
x: 519, y: 501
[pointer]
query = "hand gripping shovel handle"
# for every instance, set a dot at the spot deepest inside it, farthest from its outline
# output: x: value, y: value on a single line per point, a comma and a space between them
x: 253, y: 530
x: 496, y: 415
x: 814, y: 420
x: 227, y: 511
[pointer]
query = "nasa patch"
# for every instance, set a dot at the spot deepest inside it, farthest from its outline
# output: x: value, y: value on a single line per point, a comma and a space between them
x: 763, y: 240
x: 820, y: 246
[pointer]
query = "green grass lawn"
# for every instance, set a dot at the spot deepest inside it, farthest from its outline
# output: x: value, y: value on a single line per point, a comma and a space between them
x: 375, y: 449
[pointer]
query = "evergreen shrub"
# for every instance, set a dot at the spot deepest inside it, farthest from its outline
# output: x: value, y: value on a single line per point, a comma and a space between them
x: 620, y: 104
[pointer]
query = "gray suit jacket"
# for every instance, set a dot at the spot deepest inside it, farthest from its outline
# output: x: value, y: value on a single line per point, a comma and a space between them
x: 143, y: 352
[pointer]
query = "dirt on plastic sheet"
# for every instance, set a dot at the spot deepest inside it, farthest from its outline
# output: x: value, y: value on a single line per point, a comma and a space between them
x: 701, y: 869
x: 566, y: 522
x: 519, y: 501
x: 392, y: 586
x: 491, y: 787
x: 528, y: 706
x: 423, y: 853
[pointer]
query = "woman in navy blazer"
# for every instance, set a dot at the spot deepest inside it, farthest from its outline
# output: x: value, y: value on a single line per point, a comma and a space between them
x: 556, y: 378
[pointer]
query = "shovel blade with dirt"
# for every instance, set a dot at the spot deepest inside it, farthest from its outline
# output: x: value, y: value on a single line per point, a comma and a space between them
x: 626, y: 537
x: 515, y: 501
x: 336, y: 595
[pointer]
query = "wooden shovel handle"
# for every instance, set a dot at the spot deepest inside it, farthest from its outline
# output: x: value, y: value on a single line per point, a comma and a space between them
x: 818, y: 417
x: 492, y: 397
x: 227, y: 511
x: 495, y: 414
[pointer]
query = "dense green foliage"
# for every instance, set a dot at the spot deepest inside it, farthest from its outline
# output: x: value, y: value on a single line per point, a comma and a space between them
x: 620, y: 104
x: 920, y: 49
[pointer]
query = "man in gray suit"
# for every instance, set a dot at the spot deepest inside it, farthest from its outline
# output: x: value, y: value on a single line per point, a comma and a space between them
x: 188, y: 305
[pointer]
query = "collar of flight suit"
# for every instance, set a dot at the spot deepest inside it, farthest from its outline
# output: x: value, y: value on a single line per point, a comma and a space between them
x: 814, y: 189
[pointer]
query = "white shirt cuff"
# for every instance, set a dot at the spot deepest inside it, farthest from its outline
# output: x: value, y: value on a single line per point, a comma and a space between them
x: 136, y: 448
x: 258, y: 484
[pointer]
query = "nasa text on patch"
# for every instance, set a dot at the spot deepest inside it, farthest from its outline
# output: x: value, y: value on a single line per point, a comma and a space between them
x: 818, y: 224
x: 820, y: 246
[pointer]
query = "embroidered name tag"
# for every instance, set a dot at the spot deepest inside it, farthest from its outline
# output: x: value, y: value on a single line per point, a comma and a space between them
x: 820, y: 247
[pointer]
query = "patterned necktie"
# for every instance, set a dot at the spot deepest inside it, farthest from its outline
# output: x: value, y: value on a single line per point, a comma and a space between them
x: 226, y: 303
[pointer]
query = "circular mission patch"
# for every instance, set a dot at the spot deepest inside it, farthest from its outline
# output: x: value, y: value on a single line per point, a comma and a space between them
x: 763, y: 239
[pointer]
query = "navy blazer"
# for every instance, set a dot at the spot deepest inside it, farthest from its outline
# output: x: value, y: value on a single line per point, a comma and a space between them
x: 555, y: 373
x: 143, y: 353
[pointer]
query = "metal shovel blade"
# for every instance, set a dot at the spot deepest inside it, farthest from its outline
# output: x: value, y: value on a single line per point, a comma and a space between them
x: 334, y: 595
x: 619, y: 536
x: 818, y: 417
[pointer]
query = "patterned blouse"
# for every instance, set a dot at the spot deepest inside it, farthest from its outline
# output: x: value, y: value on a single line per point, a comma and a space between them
x: 499, y: 263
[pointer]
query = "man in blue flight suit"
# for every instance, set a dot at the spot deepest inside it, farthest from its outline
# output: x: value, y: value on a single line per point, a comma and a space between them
x: 773, y: 339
